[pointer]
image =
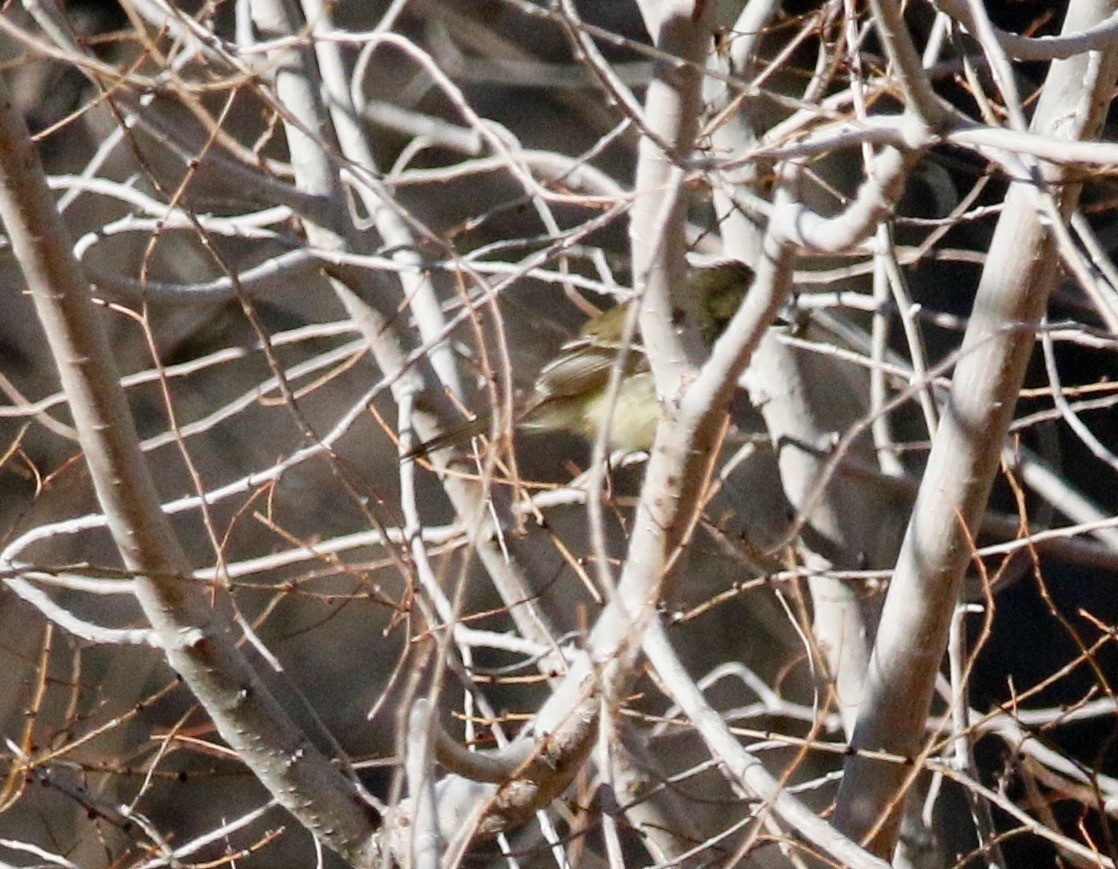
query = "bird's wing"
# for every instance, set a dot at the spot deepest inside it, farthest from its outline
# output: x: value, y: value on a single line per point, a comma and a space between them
x: 583, y: 366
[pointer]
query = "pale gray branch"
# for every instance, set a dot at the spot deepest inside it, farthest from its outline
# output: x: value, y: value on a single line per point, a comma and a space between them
x: 196, y: 638
x: 938, y: 543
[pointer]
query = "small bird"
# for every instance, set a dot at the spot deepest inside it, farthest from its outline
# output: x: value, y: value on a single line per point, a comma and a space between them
x: 571, y: 392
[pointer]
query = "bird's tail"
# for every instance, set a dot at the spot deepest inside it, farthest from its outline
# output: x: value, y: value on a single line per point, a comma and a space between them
x: 453, y: 437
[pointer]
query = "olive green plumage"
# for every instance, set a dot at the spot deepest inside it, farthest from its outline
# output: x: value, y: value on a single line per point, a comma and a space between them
x: 571, y: 392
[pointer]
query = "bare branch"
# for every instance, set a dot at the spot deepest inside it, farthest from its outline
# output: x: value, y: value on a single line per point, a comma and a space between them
x: 1010, y: 302
x: 195, y: 637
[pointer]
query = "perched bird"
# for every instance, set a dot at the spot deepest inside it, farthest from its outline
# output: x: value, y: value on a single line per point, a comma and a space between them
x: 571, y: 392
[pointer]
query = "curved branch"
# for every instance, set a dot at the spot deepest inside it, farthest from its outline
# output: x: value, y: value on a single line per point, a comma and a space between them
x: 1038, y: 47
x: 1012, y: 295
x: 197, y: 641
